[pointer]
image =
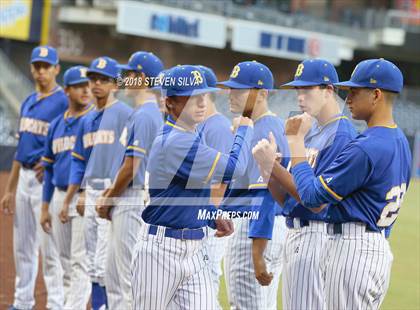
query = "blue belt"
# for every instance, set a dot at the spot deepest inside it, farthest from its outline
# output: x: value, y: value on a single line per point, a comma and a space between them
x: 183, y: 234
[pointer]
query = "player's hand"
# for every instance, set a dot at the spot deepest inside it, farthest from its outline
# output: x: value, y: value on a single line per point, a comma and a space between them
x: 263, y: 277
x: 46, y: 221
x: 63, y: 215
x: 298, y: 125
x: 265, y: 153
x: 80, y: 206
x: 245, y: 121
x: 8, y: 203
x: 235, y: 124
x: 103, y: 207
x: 224, y: 227
x: 39, y: 172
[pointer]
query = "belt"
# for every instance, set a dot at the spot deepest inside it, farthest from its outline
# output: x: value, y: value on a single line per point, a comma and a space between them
x: 337, y: 229
x: 291, y: 224
x: 61, y: 189
x: 182, y: 234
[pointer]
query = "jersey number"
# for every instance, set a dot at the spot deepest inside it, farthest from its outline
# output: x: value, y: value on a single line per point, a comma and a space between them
x: 390, y: 212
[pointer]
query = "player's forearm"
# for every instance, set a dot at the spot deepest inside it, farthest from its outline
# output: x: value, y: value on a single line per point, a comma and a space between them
x: 125, y: 175
x: 258, y: 247
x: 71, y: 191
x: 280, y: 177
x: 311, y: 192
x: 276, y: 191
x: 13, y: 177
x: 297, y: 150
x: 217, y: 193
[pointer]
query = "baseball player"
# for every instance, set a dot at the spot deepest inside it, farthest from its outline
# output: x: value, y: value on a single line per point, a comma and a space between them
x: 129, y: 183
x: 24, y: 188
x: 250, y: 83
x: 170, y: 261
x: 303, y: 280
x: 216, y: 133
x: 96, y: 157
x: 65, y: 226
x: 364, y: 186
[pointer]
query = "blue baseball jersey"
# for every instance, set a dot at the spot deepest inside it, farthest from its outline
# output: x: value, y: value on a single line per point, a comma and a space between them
x: 36, y: 114
x: 181, y: 168
x: 146, y: 123
x: 99, y: 151
x: 365, y: 183
x: 216, y: 133
x: 323, y: 144
x: 57, y: 152
x: 249, y: 192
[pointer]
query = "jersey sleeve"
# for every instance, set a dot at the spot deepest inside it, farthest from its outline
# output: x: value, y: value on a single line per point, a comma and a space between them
x: 78, y: 161
x: 142, y: 134
x: 262, y: 227
x: 48, y: 157
x: 347, y: 173
x: 190, y: 159
x: 332, y: 151
x: 220, y: 138
x: 48, y: 161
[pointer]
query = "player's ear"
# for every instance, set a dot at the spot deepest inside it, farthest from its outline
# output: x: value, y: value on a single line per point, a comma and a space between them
x: 57, y: 69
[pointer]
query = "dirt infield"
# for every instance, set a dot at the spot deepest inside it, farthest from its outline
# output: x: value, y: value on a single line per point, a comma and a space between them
x: 7, y: 267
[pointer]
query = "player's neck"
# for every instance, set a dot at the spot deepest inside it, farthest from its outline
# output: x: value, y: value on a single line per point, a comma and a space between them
x: 101, y: 103
x: 328, y: 112
x: 47, y: 88
x: 211, y: 110
x: 258, y: 111
x: 382, y: 117
x: 187, y: 126
x: 75, y: 108
x: 143, y: 96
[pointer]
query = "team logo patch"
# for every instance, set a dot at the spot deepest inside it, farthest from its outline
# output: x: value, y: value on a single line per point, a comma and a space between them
x: 43, y: 52
x: 235, y: 72
x: 101, y: 63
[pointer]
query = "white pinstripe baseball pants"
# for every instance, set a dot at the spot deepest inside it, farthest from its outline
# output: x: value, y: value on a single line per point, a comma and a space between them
x: 70, y: 243
x: 28, y: 237
x: 96, y: 238
x: 169, y: 273
x: 125, y: 227
x: 244, y: 291
x: 358, y: 268
x: 303, y: 273
x: 216, y: 250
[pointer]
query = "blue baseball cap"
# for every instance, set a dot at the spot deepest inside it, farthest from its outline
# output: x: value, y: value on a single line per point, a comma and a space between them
x: 185, y: 80
x: 375, y: 73
x: 46, y: 54
x: 211, y: 78
x: 105, y: 66
x: 75, y: 75
x: 250, y: 74
x: 313, y: 72
x: 144, y: 62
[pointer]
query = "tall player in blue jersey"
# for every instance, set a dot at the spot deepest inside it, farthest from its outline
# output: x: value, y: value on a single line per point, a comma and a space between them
x: 128, y: 189
x: 170, y: 262
x: 97, y: 155
x: 66, y: 226
x: 250, y: 83
x: 303, y: 280
x: 365, y: 186
x: 216, y: 133
x: 24, y: 185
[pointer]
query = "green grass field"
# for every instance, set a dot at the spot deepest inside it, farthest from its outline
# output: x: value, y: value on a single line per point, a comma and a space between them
x: 404, y: 290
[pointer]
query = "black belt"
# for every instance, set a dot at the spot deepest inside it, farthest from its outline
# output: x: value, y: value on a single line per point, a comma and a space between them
x: 337, y: 229
x: 291, y: 224
x: 183, y: 234
x: 62, y: 189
